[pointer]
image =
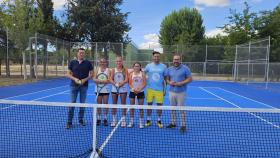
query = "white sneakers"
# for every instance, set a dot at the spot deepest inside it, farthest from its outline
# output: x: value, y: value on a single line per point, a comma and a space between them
x: 123, y: 123
x: 141, y: 124
x: 130, y: 124
x: 113, y: 123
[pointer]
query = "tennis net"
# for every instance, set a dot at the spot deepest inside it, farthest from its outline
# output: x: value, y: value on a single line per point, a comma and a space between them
x: 37, y: 129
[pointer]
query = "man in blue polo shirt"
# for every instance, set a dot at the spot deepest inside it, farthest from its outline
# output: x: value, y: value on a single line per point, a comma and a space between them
x: 80, y: 71
x: 178, y: 76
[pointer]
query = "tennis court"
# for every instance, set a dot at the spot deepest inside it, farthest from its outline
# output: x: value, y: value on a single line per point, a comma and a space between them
x: 38, y: 130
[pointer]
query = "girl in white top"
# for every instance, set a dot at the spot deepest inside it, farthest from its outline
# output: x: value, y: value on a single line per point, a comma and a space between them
x: 119, y: 89
x: 104, y: 92
x: 136, y: 92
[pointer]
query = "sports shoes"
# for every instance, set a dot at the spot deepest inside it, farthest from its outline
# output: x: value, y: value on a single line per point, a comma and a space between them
x: 68, y: 125
x: 159, y: 124
x: 183, y: 129
x: 98, y: 122
x: 82, y: 123
x: 171, y: 125
x: 148, y: 123
x: 113, y: 123
x: 141, y: 124
x: 130, y: 124
x: 105, y: 122
x: 123, y: 123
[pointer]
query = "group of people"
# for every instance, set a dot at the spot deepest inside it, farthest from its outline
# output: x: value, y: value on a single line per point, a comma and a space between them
x: 153, y: 78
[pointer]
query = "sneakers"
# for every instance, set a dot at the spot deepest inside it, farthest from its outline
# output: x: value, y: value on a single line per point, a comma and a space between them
x: 98, y: 122
x: 159, y: 124
x: 68, y: 125
x: 141, y: 125
x: 82, y: 123
x: 130, y: 124
x: 171, y: 125
x: 123, y: 123
x: 183, y: 129
x: 105, y: 122
x: 113, y: 123
x: 148, y: 123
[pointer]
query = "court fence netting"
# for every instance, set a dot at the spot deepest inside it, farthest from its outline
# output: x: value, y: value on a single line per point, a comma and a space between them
x: 37, y: 56
x: 37, y: 129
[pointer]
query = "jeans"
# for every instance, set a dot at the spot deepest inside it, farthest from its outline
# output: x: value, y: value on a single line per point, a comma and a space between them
x: 74, y: 90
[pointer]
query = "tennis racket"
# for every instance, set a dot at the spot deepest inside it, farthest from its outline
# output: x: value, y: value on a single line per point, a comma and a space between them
x: 118, y: 78
x: 100, y: 86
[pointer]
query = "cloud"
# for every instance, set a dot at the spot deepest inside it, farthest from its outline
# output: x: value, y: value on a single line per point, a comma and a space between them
x: 212, y: 3
x: 151, y: 37
x: 151, y: 42
x: 58, y: 4
x: 199, y: 8
x: 215, y: 32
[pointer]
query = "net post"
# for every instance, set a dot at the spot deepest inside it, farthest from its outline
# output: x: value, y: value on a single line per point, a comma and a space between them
x: 94, y: 153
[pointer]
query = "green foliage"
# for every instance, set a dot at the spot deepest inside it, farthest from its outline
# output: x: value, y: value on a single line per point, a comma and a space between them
x: 45, y: 10
x: 182, y: 27
x: 270, y: 26
x: 97, y: 20
x: 242, y: 27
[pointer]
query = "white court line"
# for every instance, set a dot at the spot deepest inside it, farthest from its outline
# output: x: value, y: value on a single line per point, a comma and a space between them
x: 248, y: 98
x: 35, y: 99
x: 34, y: 92
x: 112, y: 132
x: 258, y: 117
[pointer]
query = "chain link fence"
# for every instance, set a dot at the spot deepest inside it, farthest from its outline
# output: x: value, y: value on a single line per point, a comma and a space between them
x: 41, y: 56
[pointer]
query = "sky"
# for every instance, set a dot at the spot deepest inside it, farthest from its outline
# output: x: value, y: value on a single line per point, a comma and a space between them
x: 145, y: 16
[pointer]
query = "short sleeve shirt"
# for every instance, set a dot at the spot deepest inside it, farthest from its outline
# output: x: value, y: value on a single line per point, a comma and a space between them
x: 80, y: 70
x: 178, y: 74
x: 155, y: 76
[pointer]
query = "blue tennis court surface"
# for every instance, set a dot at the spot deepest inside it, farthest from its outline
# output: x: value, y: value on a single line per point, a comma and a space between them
x: 22, y: 125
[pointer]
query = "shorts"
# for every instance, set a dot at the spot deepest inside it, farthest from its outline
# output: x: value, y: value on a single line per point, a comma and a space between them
x: 152, y: 94
x: 140, y: 95
x: 102, y: 94
x: 177, y: 99
x: 119, y: 93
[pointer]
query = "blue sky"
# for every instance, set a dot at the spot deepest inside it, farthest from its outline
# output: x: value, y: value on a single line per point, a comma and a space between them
x: 146, y: 15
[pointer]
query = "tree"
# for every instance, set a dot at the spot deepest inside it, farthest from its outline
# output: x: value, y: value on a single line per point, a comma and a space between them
x: 270, y: 26
x: 182, y: 27
x: 19, y: 18
x: 97, y: 20
x: 242, y: 27
x: 45, y: 8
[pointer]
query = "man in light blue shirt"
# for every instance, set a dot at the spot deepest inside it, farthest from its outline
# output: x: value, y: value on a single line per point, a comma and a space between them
x: 178, y: 76
x: 155, y: 85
